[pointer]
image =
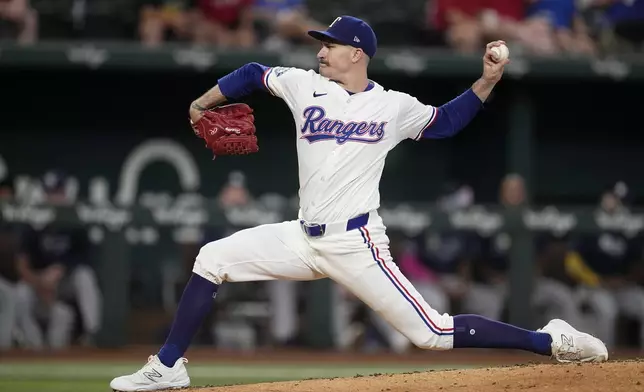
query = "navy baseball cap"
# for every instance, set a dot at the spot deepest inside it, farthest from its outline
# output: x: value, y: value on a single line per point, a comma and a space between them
x: 348, y: 30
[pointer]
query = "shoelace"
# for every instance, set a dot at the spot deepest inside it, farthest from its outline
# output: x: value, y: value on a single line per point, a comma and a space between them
x: 568, y: 351
x: 150, y: 359
x: 144, y: 369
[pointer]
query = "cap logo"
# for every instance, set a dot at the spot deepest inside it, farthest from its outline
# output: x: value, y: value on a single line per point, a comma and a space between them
x: 356, y: 39
x: 336, y: 19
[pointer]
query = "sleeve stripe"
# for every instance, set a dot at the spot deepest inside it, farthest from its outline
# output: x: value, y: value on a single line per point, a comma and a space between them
x: 265, y: 77
x: 428, y: 124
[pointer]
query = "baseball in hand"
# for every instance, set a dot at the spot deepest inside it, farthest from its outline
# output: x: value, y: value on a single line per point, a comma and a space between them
x: 500, y: 53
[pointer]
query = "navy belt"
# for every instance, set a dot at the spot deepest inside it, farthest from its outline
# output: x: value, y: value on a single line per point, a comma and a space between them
x: 320, y: 229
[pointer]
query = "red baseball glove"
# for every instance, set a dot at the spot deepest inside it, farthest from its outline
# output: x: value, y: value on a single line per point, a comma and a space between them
x: 228, y: 129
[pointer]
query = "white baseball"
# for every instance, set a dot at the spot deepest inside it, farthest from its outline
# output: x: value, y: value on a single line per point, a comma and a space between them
x: 500, y: 53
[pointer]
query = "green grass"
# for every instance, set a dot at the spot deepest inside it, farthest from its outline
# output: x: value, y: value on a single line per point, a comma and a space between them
x: 95, y: 377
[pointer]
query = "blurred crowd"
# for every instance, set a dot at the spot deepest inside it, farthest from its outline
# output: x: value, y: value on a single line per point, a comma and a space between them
x: 50, y: 294
x: 543, y: 27
x: 538, y: 27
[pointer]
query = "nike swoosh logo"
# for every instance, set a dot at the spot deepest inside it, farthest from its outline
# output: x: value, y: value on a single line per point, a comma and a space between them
x: 315, y: 95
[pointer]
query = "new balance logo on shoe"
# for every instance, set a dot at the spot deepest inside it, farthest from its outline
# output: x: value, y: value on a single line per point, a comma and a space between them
x: 152, y: 375
x: 567, y: 340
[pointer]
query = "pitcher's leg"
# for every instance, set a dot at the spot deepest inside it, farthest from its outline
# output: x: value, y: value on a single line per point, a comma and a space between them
x: 370, y: 274
x: 433, y: 295
x: 374, y: 278
x: 266, y: 252
x: 383, y: 288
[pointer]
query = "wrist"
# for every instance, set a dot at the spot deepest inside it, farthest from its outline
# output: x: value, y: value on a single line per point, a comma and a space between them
x: 195, y: 105
x: 195, y: 112
x: 483, y: 88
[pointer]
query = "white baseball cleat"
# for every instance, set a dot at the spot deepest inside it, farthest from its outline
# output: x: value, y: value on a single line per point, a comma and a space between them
x: 570, y: 345
x: 154, y: 376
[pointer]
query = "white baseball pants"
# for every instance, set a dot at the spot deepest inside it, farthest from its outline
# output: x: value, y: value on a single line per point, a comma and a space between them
x: 358, y: 259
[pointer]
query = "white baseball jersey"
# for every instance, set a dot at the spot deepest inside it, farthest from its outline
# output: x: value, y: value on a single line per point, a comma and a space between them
x: 343, y: 139
x: 342, y: 142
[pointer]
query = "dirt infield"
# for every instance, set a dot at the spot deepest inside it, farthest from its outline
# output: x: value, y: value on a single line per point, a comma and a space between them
x: 491, y: 370
x: 620, y: 376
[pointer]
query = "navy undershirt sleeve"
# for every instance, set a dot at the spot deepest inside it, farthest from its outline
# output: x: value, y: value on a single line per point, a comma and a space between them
x: 454, y: 116
x: 243, y: 81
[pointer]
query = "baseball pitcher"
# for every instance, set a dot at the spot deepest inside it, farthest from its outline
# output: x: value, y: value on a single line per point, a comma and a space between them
x: 345, y: 124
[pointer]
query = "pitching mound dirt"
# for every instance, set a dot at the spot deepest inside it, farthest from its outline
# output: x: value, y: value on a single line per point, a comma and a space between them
x: 627, y: 376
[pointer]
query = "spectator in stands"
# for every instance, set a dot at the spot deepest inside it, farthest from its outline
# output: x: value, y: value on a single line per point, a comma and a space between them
x: 467, y: 23
x: 235, y: 193
x: 53, y: 266
x: 8, y: 273
x: 8, y: 279
x: 225, y: 23
x: 487, y: 293
x: 449, y: 254
x: 606, y: 265
x: 88, y: 20
x: 166, y: 20
x: 513, y: 192
x: 6, y: 189
x: 566, y: 29
x: 489, y: 270
x: 287, y: 20
x: 624, y: 19
x: 18, y: 21
x: 551, y: 26
x: 555, y: 292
